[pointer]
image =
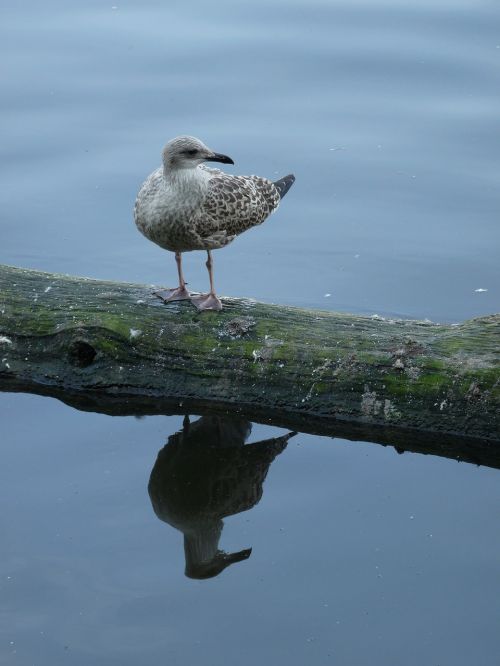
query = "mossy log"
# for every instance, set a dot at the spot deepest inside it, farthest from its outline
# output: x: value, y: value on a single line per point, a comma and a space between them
x: 117, y: 348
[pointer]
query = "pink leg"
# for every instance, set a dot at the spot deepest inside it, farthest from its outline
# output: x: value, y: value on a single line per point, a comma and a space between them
x: 180, y: 293
x: 208, y: 301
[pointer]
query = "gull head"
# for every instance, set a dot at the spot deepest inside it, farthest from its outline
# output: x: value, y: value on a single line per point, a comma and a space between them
x: 187, y: 152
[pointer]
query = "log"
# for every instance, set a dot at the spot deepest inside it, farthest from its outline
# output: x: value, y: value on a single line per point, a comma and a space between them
x: 116, y: 348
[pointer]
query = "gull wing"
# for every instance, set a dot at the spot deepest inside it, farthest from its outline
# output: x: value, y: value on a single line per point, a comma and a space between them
x: 232, y: 205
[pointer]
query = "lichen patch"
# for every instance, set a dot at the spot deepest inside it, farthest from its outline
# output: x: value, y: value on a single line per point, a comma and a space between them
x: 370, y: 405
x: 237, y: 327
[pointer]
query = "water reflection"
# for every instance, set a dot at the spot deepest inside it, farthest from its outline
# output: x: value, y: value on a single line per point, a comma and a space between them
x: 205, y: 473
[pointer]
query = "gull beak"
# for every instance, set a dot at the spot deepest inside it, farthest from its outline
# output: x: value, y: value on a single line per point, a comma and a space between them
x: 217, y: 157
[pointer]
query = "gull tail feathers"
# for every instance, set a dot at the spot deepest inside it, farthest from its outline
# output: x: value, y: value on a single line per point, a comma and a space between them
x: 284, y: 184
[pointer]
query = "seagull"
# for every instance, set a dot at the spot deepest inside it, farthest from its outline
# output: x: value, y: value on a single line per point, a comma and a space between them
x: 185, y: 205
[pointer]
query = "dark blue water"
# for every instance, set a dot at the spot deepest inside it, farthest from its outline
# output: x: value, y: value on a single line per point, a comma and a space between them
x: 387, y: 112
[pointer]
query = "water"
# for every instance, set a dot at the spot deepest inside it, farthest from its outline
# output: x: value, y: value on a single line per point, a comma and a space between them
x: 387, y: 112
x: 359, y: 555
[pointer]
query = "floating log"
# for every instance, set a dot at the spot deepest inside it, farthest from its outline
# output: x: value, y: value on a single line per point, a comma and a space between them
x: 117, y: 348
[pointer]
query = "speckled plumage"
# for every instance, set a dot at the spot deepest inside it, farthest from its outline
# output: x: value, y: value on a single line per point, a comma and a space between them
x: 202, y: 210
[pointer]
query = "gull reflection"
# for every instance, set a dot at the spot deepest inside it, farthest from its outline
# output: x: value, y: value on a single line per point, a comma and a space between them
x: 204, y: 473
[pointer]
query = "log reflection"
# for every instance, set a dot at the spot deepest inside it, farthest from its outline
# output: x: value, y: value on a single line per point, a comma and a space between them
x: 203, y: 474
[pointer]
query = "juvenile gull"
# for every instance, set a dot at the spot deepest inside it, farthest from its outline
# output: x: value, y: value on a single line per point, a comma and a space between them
x: 185, y: 205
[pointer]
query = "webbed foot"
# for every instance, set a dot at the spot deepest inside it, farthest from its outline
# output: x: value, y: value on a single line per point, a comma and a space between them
x: 206, y: 302
x: 178, y: 294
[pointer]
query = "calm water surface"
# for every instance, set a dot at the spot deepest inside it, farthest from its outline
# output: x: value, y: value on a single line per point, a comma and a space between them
x: 387, y: 112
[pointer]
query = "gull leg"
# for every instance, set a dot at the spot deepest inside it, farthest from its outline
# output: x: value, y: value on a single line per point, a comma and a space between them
x: 208, y: 301
x: 180, y: 293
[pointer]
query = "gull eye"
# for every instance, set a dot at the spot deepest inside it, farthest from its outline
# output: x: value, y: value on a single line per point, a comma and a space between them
x: 191, y: 153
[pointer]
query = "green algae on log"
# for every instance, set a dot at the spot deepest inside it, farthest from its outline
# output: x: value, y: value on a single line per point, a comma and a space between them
x: 116, y: 341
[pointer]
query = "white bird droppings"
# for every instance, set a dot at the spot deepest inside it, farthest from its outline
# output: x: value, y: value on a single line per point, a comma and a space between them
x: 135, y: 333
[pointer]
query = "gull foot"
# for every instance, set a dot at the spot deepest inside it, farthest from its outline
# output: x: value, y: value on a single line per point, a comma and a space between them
x: 167, y: 295
x: 206, y: 302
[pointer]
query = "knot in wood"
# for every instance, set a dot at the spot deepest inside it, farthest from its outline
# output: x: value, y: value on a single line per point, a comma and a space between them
x: 81, y: 353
